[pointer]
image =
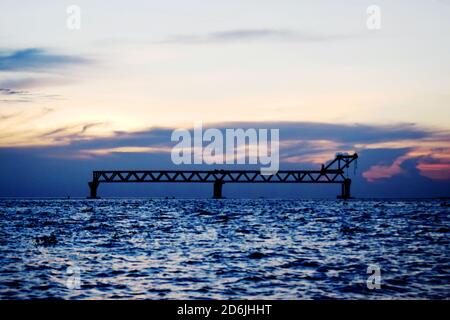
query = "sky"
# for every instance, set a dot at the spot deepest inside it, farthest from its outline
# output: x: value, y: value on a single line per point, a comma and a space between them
x: 109, y: 94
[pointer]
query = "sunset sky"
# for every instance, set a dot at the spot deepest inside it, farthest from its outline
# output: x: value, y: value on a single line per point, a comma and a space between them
x: 108, y: 95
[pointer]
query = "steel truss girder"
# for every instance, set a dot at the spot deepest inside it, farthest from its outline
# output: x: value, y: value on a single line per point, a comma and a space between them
x: 332, y: 173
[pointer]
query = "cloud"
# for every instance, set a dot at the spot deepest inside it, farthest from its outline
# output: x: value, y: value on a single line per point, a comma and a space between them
x: 392, y: 163
x: 8, y: 95
x: 65, y: 135
x: 35, y: 59
x: 380, y: 171
x: 21, y: 82
x: 147, y: 150
x: 430, y: 155
x: 305, y: 144
x: 434, y: 169
x: 344, y: 133
x: 7, y: 116
x: 295, y: 136
x: 7, y: 91
x: 245, y: 35
x: 12, y: 89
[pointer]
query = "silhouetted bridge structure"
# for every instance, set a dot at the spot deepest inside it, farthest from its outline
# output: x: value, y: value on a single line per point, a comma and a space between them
x: 333, y: 173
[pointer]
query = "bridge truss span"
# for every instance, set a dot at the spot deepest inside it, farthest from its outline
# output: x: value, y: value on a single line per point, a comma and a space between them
x: 331, y: 173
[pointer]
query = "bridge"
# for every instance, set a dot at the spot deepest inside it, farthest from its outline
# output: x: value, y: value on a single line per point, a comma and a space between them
x: 333, y: 173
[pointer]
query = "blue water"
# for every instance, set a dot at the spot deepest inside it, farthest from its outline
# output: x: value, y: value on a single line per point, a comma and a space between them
x: 227, y: 249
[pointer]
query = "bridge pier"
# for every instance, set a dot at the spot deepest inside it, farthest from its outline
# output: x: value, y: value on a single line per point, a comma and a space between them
x: 345, y: 193
x: 218, y: 189
x: 93, y: 189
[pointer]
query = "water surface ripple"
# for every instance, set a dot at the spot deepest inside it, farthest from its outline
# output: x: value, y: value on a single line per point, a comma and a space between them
x: 227, y: 249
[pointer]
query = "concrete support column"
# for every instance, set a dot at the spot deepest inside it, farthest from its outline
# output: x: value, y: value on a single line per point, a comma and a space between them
x: 218, y: 189
x: 93, y: 189
x: 345, y: 194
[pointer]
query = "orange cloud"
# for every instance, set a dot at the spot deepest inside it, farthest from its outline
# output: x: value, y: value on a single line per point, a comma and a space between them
x: 431, y: 163
x: 378, y: 172
x: 435, y: 171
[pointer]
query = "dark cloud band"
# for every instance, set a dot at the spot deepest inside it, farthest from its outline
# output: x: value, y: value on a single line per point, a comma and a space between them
x: 35, y: 59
